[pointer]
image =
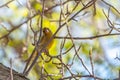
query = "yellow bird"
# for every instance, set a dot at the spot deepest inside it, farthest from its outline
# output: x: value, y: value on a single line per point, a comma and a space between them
x: 47, y: 34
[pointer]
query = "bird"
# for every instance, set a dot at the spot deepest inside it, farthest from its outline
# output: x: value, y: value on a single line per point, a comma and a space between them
x: 47, y: 35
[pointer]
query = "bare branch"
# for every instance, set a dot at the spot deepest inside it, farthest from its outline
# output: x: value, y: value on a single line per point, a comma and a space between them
x: 87, y: 38
x: 6, y: 4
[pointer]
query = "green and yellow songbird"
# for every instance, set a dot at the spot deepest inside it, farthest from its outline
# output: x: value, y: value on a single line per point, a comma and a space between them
x: 47, y: 34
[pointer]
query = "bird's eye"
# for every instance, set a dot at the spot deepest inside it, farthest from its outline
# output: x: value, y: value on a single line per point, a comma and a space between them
x: 45, y: 30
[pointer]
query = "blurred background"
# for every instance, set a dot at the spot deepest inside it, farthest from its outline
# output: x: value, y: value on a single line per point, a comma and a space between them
x: 95, y: 24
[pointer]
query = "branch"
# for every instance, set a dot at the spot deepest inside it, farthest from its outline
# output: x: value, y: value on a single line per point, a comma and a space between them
x: 6, y: 3
x: 5, y: 72
x: 86, y: 38
x: 81, y: 76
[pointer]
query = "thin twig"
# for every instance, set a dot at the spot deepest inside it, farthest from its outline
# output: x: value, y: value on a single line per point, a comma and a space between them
x: 11, y: 73
x: 110, y: 24
x: 82, y: 76
x: 91, y: 62
x: 6, y: 4
x: 87, y: 38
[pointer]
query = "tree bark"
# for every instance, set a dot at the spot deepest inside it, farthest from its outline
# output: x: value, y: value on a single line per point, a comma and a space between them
x: 5, y: 74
